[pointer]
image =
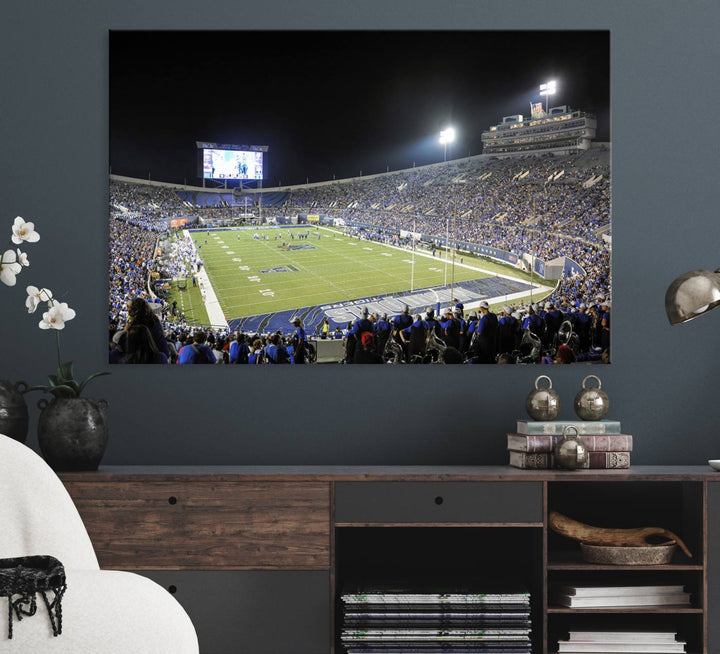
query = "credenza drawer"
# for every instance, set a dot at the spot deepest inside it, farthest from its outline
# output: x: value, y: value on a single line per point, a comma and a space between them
x: 220, y: 525
x: 254, y: 611
x: 443, y: 502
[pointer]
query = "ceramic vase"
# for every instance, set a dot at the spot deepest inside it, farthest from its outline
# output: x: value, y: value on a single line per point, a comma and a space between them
x: 72, y: 433
x: 13, y: 410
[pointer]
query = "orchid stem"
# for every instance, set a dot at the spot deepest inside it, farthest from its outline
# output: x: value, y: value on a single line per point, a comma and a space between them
x: 57, y: 333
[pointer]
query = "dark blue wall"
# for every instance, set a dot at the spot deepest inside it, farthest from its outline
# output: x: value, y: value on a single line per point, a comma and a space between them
x: 663, y: 384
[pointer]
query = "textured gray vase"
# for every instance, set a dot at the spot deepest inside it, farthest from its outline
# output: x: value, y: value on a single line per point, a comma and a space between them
x: 72, y: 433
x: 13, y: 411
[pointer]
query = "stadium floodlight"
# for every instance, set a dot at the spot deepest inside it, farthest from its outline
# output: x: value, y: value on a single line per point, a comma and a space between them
x: 691, y: 295
x: 446, y: 136
x: 547, y: 89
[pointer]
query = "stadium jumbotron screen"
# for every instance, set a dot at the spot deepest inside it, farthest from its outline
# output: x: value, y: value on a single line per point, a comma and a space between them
x: 232, y: 164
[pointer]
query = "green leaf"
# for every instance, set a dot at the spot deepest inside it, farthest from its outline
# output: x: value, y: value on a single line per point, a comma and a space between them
x: 45, y: 389
x: 54, y: 381
x: 65, y: 371
x: 89, y: 379
x: 63, y: 391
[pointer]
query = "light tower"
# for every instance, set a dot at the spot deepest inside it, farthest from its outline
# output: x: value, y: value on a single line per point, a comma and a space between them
x: 446, y: 136
x: 547, y: 89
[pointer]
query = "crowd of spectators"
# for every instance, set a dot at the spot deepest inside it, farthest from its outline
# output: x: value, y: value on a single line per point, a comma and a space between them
x: 131, y: 260
x: 185, y: 344
x: 542, y: 332
x: 544, y: 206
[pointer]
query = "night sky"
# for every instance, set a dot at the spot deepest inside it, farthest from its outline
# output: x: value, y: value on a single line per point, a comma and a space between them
x: 339, y: 102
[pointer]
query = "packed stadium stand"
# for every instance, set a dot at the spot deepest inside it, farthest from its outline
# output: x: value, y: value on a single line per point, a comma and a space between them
x: 541, y: 209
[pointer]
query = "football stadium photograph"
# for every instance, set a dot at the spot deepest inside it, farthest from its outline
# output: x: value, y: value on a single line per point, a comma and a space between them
x: 352, y: 197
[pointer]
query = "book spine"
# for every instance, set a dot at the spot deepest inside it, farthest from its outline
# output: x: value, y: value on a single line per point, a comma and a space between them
x: 556, y: 427
x: 595, y: 461
x: 608, y: 460
x: 593, y: 442
x: 529, y: 460
x: 603, y: 461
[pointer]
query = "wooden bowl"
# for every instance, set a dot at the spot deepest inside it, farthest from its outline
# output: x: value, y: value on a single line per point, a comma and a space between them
x: 621, y: 555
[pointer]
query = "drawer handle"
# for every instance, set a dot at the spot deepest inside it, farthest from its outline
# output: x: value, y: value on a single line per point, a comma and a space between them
x: 172, y: 500
x: 439, y: 500
x: 172, y: 588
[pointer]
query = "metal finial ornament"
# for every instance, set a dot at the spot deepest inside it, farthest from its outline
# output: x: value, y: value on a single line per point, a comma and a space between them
x: 570, y: 453
x: 543, y: 403
x: 591, y: 403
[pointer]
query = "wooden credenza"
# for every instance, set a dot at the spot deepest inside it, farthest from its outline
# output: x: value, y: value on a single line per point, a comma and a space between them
x: 259, y: 555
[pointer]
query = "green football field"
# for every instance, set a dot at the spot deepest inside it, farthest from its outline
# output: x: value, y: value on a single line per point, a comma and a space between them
x: 251, y: 276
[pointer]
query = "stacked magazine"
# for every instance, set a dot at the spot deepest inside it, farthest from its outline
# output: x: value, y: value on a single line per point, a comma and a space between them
x: 391, y: 621
x: 600, y: 642
x: 584, y: 597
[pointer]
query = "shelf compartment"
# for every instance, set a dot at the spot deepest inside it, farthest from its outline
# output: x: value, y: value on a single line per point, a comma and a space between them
x: 489, y: 559
x: 690, y: 580
x: 688, y: 625
x: 676, y: 506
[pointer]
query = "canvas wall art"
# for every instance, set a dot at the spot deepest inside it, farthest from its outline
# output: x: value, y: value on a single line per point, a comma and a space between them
x: 356, y: 197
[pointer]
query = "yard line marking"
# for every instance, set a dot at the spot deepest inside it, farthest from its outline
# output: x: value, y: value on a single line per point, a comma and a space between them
x: 297, y: 264
x: 349, y: 276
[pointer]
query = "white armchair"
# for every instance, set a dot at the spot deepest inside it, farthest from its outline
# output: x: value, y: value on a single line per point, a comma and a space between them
x: 104, y: 612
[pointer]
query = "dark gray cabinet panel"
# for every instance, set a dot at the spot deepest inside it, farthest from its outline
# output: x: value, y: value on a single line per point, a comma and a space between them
x: 441, y: 501
x: 258, y: 612
x: 713, y: 567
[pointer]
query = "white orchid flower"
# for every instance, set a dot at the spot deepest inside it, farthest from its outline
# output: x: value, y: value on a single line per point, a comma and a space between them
x: 23, y: 231
x: 9, y: 267
x: 56, y: 317
x: 36, y: 296
x: 22, y: 258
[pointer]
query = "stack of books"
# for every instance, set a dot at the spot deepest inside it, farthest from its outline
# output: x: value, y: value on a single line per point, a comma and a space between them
x: 597, y: 642
x: 384, y: 621
x: 531, y: 446
x: 583, y: 597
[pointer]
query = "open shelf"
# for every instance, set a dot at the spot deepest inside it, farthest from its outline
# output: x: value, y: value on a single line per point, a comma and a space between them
x: 476, y: 559
x: 572, y: 560
x: 678, y: 507
x: 507, y: 555
x: 686, y: 623
x: 626, y: 609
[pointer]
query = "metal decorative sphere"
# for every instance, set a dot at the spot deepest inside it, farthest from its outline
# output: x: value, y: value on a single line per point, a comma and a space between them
x: 543, y: 403
x: 570, y: 452
x: 591, y: 403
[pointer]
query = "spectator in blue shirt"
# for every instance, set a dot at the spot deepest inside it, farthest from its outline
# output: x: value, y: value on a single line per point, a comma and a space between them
x: 197, y: 351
